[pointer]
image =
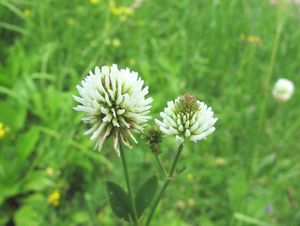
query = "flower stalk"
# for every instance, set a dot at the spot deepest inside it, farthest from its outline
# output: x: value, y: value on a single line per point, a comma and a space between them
x: 160, y: 163
x: 129, y: 188
x: 167, y: 181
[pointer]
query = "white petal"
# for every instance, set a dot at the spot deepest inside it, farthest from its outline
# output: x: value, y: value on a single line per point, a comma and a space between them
x: 187, y: 133
x: 165, y: 131
x: 108, y: 117
x: 120, y: 111
x: 203, y: 135
x: 97, y: 133
x: 159, y: 123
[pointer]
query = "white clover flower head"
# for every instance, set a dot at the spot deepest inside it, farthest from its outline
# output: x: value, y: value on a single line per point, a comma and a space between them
x: 187, y: 118
x: 114, y: 102
x: 283, y: 90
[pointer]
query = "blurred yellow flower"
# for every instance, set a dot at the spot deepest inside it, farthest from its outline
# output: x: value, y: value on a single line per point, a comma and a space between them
x: 3, y: 130
x: 54, y: 198
x: 190, y: 176
x: 116, y: 42
x: 26, y: 12
x: 220, y: 161
x: 252, y: 39
x: 122, y: 11
x: 94, y: 2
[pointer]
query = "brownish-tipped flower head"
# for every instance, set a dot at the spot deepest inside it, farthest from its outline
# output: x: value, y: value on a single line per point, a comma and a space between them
x: 187, y: 118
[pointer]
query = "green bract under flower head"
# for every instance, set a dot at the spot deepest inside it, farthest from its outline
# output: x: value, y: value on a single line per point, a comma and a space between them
x: 114, y: 101
x: 187, y: 118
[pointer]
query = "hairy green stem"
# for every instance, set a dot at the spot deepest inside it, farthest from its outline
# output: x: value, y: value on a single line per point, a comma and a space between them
x: 168, y: 180
x: 129, y: 189
x: 173, y: 167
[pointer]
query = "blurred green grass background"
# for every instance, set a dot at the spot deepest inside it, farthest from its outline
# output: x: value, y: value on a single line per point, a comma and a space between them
x: 228, y: 53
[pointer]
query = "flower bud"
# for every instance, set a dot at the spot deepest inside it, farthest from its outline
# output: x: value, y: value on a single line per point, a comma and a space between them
x: 153, y: 138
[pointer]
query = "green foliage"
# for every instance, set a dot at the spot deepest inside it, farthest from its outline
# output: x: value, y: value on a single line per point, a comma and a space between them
x: 145, y: 194
x: 27, y: 216
x: 20, y: 178
x: 119, y: 201
x: 250, y: 164
x: 26, y: 143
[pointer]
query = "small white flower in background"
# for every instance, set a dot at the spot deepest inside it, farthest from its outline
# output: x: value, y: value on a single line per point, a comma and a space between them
x: 283, y: 90
x: 187, y: 118
x: 114, y: 103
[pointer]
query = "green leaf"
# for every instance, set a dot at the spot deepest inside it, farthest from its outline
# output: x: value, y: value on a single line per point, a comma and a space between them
x: 9, y: 108
x: 250, y: 220
x: 237, y: 189
x: 119, y: 201
x: 26, y: 143
x: 8, y: 190
x: 26, y: 215
x: 37, y: 181
x: 81, y: 217
x: 145, y: 194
